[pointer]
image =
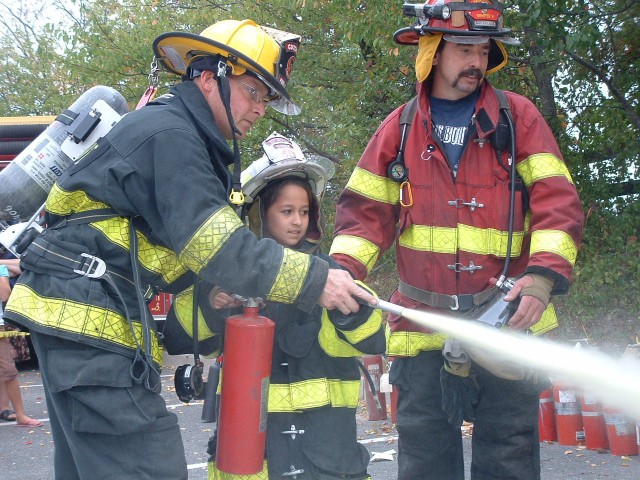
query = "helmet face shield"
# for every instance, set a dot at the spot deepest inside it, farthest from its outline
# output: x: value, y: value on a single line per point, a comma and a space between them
x: 244, y: 46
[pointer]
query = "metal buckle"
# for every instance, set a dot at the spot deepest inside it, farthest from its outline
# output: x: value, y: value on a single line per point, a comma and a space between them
x: 94, y: 268
x: 456, y: 304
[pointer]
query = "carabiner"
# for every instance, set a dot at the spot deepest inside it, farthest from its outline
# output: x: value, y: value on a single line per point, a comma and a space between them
x: 236, y: 198
x: 409, y: 192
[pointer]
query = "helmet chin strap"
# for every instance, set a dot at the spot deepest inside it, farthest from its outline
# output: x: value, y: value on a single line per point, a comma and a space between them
x: 235, y: 196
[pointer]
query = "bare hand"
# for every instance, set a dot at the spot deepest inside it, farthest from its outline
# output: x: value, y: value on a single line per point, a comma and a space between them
x: 220, y: 299
x: 530, y: 309
x: 339, y: 292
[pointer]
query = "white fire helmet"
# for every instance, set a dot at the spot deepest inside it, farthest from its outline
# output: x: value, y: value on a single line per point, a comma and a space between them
x: 284, y: 158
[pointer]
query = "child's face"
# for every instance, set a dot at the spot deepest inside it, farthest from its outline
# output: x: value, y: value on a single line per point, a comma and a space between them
x: 287, y: 219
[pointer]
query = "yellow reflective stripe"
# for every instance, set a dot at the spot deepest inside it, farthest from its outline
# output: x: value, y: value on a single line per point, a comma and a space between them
x: 155, y: 258
x: 482, y: 241
x: 63, y: 202
x: 359, y: 248
x: 488, y: 241
x: 209, y: 238
x: 554, y: 241
x: 375, y: 187
x: 214, y: 474
x: 88, y: 320
x: 540, y: 166
x: 410, y: 344
x: 183, y: 308
x: 429, y: 239
x: 547, y: 322
x: 291, y: 276
x: 313, y: 394
x: 335, y: 346
x: 366, y: 330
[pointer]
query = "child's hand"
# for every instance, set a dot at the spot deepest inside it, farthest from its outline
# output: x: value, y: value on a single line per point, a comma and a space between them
x: 220, y: 299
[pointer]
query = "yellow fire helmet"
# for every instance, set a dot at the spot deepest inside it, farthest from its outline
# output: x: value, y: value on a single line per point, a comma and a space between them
x: 243, y: 47
x: 469, y: 21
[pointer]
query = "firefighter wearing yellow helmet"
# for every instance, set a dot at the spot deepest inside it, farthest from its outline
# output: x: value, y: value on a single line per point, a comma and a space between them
x: 466, y: 181
x: 148, y: 210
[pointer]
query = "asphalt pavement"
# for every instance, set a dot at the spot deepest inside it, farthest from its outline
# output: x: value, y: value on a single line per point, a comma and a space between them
x: 27, y: 453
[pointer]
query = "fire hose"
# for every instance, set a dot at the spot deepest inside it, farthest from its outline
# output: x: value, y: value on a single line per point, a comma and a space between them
x: 616, y: 382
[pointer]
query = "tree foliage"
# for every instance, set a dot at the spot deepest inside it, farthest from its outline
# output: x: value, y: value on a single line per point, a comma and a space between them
x: 577, y: 60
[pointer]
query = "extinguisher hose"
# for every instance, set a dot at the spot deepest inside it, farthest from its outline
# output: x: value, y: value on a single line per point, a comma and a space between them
x: 372, y: 386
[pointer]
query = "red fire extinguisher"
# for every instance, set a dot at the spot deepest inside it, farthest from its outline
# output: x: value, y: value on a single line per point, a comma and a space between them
x: 242, y: 421
x: 375, y: 401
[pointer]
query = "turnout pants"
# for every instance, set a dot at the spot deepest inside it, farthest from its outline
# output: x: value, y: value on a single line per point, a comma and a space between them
x: 505, y: 441
x: 104, y: 426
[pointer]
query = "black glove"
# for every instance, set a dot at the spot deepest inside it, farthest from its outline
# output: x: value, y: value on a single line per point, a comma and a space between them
x: 459, y: 395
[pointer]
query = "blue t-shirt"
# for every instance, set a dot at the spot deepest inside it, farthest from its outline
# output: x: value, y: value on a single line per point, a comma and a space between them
x: 451, y: 121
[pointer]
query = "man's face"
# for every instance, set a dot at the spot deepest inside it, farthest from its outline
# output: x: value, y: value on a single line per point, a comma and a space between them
x: 459, y: 69
x: 247, y: 105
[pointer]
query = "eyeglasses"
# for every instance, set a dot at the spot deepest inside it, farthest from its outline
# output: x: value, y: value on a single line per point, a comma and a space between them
x: 255, y: 95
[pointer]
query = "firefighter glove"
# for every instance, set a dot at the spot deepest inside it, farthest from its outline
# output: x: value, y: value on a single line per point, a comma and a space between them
x: 540, y: 288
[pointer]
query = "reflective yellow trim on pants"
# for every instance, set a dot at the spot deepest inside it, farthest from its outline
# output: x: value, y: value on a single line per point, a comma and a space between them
x: 335, y: 346
x: 79, y: 318
x: 375, y: 187
x: 361, y: 249
x: 481, y: 241
x: 540, y: 166
x: 207, y: 241
x: 314, y: 393
x: 290, y: 279
x: 410, y: 344
x: 554, y: 241
x: 214, y: 474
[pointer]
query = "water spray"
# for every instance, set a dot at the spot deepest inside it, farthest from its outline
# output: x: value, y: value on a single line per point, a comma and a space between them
x: 614, y: 382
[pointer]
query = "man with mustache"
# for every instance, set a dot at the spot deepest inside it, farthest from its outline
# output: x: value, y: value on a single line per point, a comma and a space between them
x: 462, y: 219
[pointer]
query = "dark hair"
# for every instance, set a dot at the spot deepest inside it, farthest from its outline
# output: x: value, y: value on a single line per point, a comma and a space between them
x: 270, y: 193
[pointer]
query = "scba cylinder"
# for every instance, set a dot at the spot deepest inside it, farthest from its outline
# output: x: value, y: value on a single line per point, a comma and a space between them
x: 242, y: 420
x: 26, y: 181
